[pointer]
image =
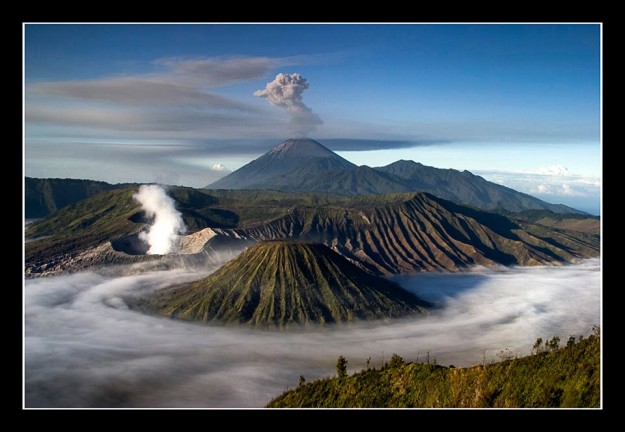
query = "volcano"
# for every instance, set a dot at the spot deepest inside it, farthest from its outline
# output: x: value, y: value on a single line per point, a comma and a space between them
x: 304, y: 165
x: 284, y: 283
x: 287, y: 166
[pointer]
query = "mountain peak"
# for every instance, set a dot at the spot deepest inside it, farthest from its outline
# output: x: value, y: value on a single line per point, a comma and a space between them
x: 302, y: 147
x: 405, y: 162
x: 285, y: 166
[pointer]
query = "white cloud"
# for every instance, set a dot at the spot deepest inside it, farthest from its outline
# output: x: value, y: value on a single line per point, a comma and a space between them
x: 554, y: 180
x: 577, y: 191
x: 138, y: 161
x: 566, y: 189
x: 543, y: 189
x: 83, y: 347
x: 219, y: 167
x: 557, y: 189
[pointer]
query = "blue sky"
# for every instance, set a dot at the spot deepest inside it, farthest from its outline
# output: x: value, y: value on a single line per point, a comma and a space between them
x: 517, y: 104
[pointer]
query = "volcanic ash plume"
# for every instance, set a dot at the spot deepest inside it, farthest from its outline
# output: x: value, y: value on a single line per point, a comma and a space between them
x: 168, y: 222
x: 286, y: 91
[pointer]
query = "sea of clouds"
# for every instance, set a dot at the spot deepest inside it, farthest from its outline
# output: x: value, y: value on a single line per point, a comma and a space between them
x: 85, y: 348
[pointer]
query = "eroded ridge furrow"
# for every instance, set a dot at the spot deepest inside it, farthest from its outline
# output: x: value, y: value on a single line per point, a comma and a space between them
x: 283, y: 283
x: 422, y: 234
x: 385, y: 235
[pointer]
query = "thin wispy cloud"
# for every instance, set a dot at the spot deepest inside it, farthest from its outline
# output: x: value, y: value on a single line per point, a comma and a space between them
x: 181, y: 82
x: 555, y: 170
x: 219, y: 71
x: 165, y: 123
x: 178, y: 98
x: 226, y: 70
x: 352, y: 145
x: 137, y: 91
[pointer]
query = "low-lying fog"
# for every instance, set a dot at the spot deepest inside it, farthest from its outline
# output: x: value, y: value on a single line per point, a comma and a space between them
x: 84, y: 348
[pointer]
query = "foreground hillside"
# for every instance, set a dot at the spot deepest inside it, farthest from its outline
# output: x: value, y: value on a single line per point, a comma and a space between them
x: 566, y: 377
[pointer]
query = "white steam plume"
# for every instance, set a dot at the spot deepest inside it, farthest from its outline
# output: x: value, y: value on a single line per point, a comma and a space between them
x: 167, y: 223
x: 286, y: 91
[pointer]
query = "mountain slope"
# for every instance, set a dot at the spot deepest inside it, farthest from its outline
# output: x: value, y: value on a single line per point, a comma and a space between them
x: 385, y: 234
x: 44, y: 196
x: 569, y: 378
x: 284, y: 166
x: 362, y: 180
x: 466, y: 188
x: 419, y: 232
x: 566, y: 221
x: 282, y: 283
x: 103, y: 230
x: 306, y: 165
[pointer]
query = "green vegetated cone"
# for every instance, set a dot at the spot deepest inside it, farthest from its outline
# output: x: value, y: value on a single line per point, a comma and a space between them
x: 283, y: 283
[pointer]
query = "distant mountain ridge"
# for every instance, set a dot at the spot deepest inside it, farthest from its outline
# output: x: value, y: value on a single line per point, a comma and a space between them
x: 467, y: 188
x: 420, y: 232
x: 306, y: 165
x: 44, y: 196
x: 384, y: 234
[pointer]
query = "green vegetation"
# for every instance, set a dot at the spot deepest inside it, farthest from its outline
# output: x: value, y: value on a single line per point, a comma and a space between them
x: 555, y: 377
x: 108, y: 216
x: 341, y: 367
x: 574, y: 222
x: 385, y: 234
x: 406, y: 233
x: 45, y: 196
x: 113, y: 213
x: 255, y: 207
x: 86, y: 223
x: 284, y: 283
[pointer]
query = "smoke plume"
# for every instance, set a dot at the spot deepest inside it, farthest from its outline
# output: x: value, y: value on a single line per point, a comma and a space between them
x: 167, y: 223
x: 286, y: 91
